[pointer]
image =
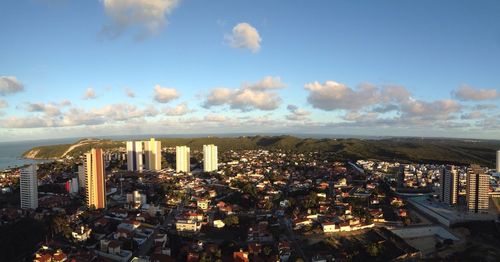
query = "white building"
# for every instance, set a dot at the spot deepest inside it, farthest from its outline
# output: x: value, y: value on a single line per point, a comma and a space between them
x: 136, y: 198
x: 29, y: 187
x: 144, y: 155
x: 182, y: 159
x: 81, y: 176
x: 209, y: 158
x: 135, y: 156
x: 449, y: 186
x: 187, y: 226
x: 477, y: 190
x: 498, y: 161
x: 153, y: 154
x: 72, y: 185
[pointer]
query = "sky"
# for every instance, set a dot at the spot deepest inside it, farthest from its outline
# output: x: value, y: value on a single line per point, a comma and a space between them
x: 73, y: 68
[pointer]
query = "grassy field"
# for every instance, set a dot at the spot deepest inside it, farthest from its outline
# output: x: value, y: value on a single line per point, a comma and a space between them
x: 429, y: 150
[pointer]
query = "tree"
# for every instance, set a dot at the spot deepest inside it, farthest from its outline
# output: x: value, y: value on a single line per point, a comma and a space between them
x: 373, y: 250
x: 231, y: 220
x: 267, y: 250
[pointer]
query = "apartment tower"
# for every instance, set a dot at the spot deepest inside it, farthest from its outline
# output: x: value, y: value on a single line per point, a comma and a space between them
x: 498, y: 161
x: 209, y: 158
x: 153, y: 154
x: 449, y: 186
x: 95, y: 179
x: 144, y: 155
x: 135, y: 156
x: 29, y: 187
x: 182, y: 159
x: 477, y: 190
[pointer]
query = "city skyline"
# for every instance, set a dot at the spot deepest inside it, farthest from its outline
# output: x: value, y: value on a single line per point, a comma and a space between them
x: 401, y: 69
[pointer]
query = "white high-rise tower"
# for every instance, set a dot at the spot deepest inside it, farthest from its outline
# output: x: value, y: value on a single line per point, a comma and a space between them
x: 182, y: 159
x: 29, y: 187
x: 209, y: 158
x: 498, y: 161
x: 135, y: 156
x: 144, y: 155
x: 478, y: 183
x: 449, y: 186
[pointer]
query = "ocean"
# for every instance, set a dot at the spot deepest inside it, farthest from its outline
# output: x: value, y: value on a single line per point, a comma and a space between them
x: 11, y: 152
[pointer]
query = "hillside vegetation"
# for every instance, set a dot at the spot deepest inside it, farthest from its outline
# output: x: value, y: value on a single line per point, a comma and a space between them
x: 455, y: 151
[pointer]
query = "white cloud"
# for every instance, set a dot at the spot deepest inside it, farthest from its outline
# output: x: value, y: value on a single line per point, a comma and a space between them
x: 49, y: 109
x: 107, y: 114
x: 23, y: 122
x: 468, y: 93
x: 485, y: 107
x: 332, y: 95
x: 244, y: 35
x: 3, y: 103
x: 215, y: 118
x: 89, y: 93
x: 435, y: 110
x: 165, y: 94
x: 297, y: 114
x: 179, y: 110
x: 250, y: 96
x: 472, y: 115
x: 267, y: 83
x: 65, y: 102
x: 129, y: 92
x: 10, y: 85
x: 146, y: 17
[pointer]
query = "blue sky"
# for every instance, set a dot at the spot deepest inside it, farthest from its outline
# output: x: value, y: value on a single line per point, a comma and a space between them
x: 405, y: 68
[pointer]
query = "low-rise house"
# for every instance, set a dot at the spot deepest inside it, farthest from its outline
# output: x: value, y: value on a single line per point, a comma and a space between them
x: 187, y: 226
x: 82, y: 234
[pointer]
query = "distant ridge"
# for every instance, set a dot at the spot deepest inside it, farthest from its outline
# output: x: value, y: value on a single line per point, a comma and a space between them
x: 418, y: 150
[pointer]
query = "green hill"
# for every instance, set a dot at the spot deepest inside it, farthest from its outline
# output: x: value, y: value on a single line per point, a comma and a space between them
x: 429, y: 150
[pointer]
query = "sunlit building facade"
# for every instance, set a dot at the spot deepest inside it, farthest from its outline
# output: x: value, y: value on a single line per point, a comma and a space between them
x: 478, y: 183
x: 209, y: 158
x: 182, y: 159
x: 95, y: 179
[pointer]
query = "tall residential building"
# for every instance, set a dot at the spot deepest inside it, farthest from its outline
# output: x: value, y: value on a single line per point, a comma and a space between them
x: 144, y: 155
x: 182, y: 159
x: 153, y: 154
x: 135, y: 156
x: 95, y: 178
x: 29, y: 187
x: 209, y: 158
x: 498, y: 161
x: 449, y: 186
x: 478, y: 183
x: 81, y: 176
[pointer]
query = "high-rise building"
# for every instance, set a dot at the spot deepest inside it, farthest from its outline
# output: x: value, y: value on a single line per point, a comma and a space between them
x: 95, y: 178
x: 29, y: 187
x: 81, y: 176
x: 478, y: 183
x: 209, y: 158
x: 449, y: 186
x: 135, y: 156
x: 144, y: 155
x: 182, y: 159
x: 153, y: 154
x: 498, y: 161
